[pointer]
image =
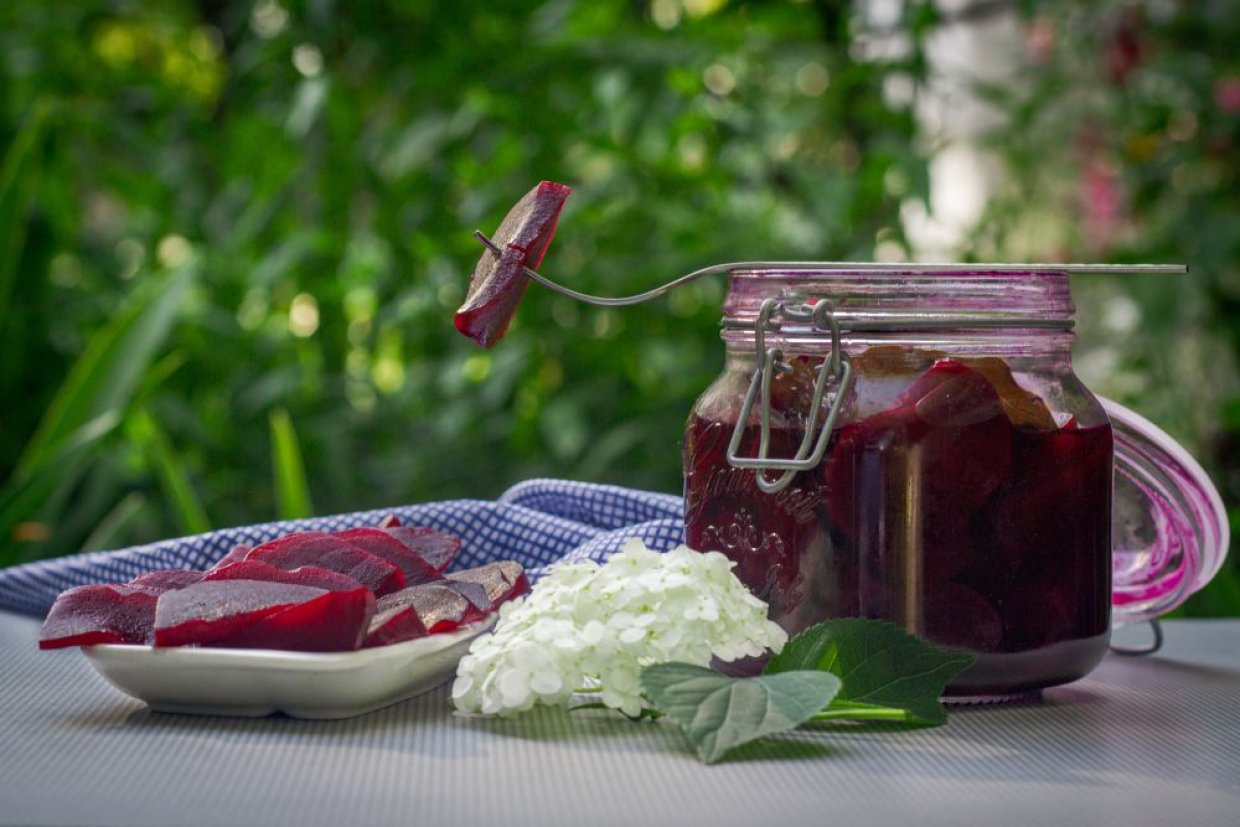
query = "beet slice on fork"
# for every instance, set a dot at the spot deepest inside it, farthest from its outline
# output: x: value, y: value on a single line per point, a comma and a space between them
x: 499, y: 281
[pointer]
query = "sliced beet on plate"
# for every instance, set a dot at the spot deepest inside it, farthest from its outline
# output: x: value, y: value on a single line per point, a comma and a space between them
x: 167, y: 579
x: 436, y: 548
x: 253, y: 614
x: 418, y: 611
x: 102, y: 613
x: 237, y: 553
x: 384, y: 543
x: 319, y: 578
x: 500, y: 581
x: 329, y: 551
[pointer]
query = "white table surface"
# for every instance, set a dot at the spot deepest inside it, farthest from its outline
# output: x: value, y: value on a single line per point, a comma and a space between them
x: 1141, y: 741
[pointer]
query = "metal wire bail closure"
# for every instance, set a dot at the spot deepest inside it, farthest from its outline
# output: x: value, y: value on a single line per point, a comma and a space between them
x: 768, y: 361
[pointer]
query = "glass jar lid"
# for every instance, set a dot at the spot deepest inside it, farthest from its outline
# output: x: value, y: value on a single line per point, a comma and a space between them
x: 1169, y: 528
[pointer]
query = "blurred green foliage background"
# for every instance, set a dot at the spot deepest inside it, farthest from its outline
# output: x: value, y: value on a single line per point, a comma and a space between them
x: 232, y: 234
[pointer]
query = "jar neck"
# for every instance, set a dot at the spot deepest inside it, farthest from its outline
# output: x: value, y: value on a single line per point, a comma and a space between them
x: 1011, y: 312
x: 1007, y: 343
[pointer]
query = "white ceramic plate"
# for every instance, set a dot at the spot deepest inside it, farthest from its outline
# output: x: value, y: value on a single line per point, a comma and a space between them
x: 256, y: 682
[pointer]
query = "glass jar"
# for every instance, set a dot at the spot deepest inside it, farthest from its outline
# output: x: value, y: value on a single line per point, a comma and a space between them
x: 913, y: 445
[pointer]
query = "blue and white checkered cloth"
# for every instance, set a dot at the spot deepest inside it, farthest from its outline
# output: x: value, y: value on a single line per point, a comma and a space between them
x: 536, y: 523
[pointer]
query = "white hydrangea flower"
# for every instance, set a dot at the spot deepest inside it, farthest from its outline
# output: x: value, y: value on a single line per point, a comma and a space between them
x: 591, y: 626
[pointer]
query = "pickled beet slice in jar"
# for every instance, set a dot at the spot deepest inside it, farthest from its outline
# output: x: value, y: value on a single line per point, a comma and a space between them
x: 965, y: 453
x: 950, y: 396
x: 253, y: 614
x: 792, y: 391
x: 102, y: 613
x: 951, y: 432
x: 418, y: 611
x: 858, y: 470
x: 315, y: 576
x: 907, y: 482
x: 1024, y: 409
x: 167, y: 579
x: 1048, y: 532
x: 882, y: 373
x: 381, y: 543
x: 498, y: 282
x: 328, y: 551
x: 956, y: 615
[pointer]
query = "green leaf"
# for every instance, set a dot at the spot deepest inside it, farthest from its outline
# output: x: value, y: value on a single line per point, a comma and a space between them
x: 107, y: 530
x: 104, y: 378
x: 719, y: 713
x: 18, y: 177
x: 646, y: 712
x: 23, y: 494
x: 174, y: 476
x: 292, y: 490
x: 879, y: 663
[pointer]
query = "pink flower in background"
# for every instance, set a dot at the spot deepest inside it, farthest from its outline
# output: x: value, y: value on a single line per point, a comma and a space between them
x: 1227, y: 94
x: 1040, y: 39
x: 1102, y: 202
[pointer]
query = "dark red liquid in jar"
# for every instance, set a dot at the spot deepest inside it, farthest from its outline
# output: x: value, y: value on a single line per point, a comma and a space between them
x: 961, y: 510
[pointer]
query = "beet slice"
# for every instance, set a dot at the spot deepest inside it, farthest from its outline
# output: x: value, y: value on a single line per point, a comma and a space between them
x: 103, y: 613
x: 864, y: 471
x: 238, y: 553
x: 501, y: 581
x: 475, y: 593
x: 252, y: 614
x: 382, y: 544
x: 1024, y: 409
x: 436, y: 548
x: 394, y: 623
x: 939, y: 455
x: 319, y: 578
x: 966, y: 454
x: 499, y: 281
x: 418, y: 611
x: 328, y: 551
x: 168, y: 579
x: 960, y: 398
x: 335, y: 622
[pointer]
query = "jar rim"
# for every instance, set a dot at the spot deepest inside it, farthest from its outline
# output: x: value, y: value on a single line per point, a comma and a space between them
x: 905, y: 296
x: 882, y: 295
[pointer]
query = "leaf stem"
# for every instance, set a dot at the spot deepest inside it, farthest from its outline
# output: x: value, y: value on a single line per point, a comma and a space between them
x: 858, y: 711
